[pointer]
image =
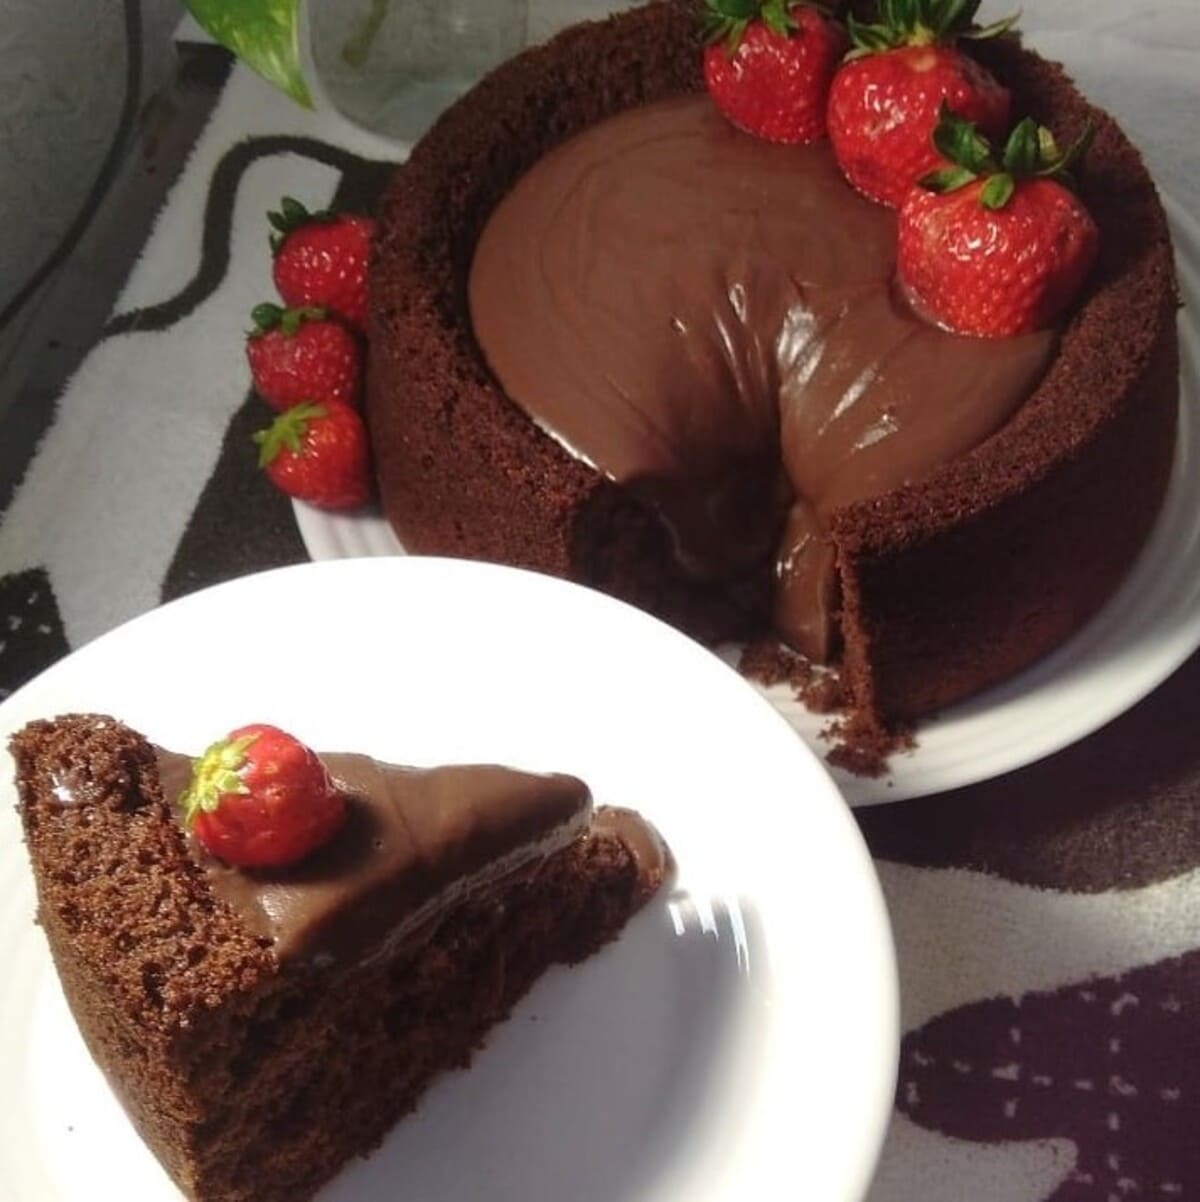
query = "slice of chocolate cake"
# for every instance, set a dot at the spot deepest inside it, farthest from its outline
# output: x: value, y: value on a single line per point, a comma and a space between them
x: 261, y: 1025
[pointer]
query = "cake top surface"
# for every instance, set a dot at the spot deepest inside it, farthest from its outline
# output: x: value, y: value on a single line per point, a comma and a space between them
x: 414, y: 842
x: 440, y: 201
x: 711, y: 319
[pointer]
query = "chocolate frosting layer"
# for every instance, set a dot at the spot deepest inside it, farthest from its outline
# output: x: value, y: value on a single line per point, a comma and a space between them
x: 643, y: 843
x: 711, y: 320
x: 415, y: 843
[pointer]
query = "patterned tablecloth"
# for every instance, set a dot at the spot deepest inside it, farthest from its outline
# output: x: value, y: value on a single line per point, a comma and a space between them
x: 1047, y: 922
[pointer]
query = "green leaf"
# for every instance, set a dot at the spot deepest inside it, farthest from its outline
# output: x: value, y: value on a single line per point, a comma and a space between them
x: 958, y: 16
x: 215, y: 774
x: 266, y: 317
x: 946, y: 179
x: 961, y: 143
x: 954, y: 14
x: 931, y: 22
x: 286, y: 432
x: 264, y: 34
x: 997, y: 192
x: 776, y: 17
x: 980, y: 33
x: 1048, y: 151
x: 868, y: 39
x: 734, y: 10
x: 1023, y: 150
x: 1075, y: 152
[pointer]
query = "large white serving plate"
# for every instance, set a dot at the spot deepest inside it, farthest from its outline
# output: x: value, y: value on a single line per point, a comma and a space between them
x: 1140, y: 637
x: 741, y: 1034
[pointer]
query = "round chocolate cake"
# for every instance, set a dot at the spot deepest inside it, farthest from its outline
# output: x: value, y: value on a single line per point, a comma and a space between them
x: 943, y: 576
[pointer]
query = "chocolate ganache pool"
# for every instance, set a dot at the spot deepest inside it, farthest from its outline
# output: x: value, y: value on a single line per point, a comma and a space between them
x: 711, y: 320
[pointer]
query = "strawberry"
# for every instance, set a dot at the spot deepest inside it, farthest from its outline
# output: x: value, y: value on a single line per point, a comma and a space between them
x: 884, y: 102
x: 300, y: 355
x: 259, y: 798
x: 996, y: 248
x: 321, y: 259
x: 768, y: 65
x: 317, y: 453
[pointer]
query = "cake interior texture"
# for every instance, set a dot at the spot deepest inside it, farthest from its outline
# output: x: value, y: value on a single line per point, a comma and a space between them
x: 254, y: 1067
x: 941, y: 582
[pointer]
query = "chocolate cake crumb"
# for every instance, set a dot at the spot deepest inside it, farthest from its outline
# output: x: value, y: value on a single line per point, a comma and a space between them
x: 861, y: 745
x: 864, y: 748
x: 769, y: 662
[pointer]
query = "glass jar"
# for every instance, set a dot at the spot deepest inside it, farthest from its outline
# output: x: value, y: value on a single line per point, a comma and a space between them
x: 394, y: 65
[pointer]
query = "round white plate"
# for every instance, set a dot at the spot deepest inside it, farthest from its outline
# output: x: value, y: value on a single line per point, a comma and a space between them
x: 746, y: 1021
x: 1144, y: 633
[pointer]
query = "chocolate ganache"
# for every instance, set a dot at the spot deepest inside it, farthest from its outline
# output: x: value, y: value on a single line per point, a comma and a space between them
x: 711, y: 320
x: 415, y: 843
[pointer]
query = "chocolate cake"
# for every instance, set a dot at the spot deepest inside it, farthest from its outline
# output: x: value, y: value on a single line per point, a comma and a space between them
x: 938, y: 575
x: 262, y: 1028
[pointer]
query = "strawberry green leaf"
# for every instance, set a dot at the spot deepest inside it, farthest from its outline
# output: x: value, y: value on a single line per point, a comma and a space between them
x: 777, y: 19
x: 920, y: 23
x: 997, y: 192
x: 961, y: 143
x: 264, y: 34
x: 955, y: 13
x: 1048, y: 151
x: 1074, y: 153
x: 291, y: 215
x: 286, y: 432
x: 1022, y: 152
x: 1032, y: 151
x: 734, y: 10
x: 214, y: 775
x: 265, y: 317
x: 868, y: 39
x: 946, y: 179
x: 981, y: 33
x: 726, y: 20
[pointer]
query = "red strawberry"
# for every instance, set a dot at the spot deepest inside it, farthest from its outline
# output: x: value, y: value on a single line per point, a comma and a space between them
x: 768, y: 65
x: 300, y: 355
x: 321, y: 259
x: 317, y: 453
x: 884, y: 102
x: 991, y: 248
x: 261, y: 799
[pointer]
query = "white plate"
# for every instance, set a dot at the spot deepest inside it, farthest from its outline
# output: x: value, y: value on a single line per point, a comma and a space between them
x: 1144, y: 633
x: 744, y: 1023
